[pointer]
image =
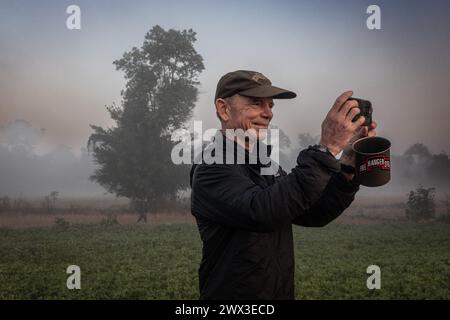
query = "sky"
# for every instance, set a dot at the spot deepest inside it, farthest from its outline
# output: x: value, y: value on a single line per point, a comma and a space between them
x: 61, y: 79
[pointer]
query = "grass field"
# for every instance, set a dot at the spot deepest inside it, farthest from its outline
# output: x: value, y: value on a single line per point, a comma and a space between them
x: 161, y: 261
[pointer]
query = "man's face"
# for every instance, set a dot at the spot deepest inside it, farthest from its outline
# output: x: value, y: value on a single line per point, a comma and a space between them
x: 250, y: 113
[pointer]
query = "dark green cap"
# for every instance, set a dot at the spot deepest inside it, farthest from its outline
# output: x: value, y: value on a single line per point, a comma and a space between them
x: 250, y: 84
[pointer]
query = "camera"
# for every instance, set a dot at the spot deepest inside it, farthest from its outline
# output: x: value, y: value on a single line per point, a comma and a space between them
x: 366, y: 110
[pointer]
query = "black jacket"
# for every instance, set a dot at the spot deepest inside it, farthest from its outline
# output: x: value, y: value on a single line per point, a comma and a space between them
x: 245, y: 221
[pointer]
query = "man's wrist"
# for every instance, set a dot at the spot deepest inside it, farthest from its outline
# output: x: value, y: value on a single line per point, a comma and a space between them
x: 334, y: 151
x: 322, y: 148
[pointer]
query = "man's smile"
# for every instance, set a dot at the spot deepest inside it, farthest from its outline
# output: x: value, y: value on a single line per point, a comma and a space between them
x: 260, y: 125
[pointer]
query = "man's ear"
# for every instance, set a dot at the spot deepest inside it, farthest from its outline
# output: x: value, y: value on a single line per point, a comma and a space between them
x: 222, y: 109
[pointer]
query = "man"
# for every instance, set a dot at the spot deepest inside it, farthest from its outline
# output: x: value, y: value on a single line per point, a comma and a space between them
x: 245, y: 218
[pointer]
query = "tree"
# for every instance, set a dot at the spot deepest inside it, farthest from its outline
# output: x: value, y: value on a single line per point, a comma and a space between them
x: 306, y: 139
x: 421, y: 204
x: 439, y: 169
x: 49, y: 201
x: 418, y: 149
x: 284, y: 140
x: 5, y: 204
x: 134, y: 156
x: 286, y: 158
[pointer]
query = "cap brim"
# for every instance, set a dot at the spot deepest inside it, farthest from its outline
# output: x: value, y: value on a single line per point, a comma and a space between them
x: 268, y: 92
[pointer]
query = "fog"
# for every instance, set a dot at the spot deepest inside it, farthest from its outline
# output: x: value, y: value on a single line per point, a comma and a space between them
x: 28, y: 173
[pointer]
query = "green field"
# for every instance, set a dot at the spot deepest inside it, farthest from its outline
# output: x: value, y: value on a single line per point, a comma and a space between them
x: 161, y: 261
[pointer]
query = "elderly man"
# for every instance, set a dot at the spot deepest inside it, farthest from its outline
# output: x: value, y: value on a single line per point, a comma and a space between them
x: 245, y: 218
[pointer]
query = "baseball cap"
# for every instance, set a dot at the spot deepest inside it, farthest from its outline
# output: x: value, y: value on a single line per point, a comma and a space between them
x: 250, y: 84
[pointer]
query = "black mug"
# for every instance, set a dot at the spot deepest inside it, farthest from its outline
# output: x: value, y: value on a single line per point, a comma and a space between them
x: 372, y: 160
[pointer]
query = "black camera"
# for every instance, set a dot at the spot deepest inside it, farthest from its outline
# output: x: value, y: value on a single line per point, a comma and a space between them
x: 366, y: 110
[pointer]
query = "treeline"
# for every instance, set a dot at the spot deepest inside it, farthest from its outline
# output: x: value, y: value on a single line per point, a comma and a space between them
x: 419, y: 166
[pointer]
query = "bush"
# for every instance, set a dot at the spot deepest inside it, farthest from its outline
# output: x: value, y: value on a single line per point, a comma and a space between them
x: 61, y: 224
x: 110, y: 220
x: 421, y: 204
x: 5, y: 204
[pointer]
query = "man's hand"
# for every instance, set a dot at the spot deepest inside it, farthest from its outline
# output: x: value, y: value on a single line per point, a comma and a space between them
x: 338, y: 128
x: 348, y: 156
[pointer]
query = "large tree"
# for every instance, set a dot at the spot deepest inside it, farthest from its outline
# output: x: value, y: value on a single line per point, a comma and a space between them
x: 133, y: 157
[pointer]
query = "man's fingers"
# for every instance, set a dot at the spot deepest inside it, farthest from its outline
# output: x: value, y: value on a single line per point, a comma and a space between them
x: 340, y: 101
x: 362, y: 132
x: 347, y: 107
x: 358, y: 123
x: 352, y: 113
x: 372, y: 133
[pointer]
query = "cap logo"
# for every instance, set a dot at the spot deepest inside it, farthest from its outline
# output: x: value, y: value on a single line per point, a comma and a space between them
x: 257, y: 77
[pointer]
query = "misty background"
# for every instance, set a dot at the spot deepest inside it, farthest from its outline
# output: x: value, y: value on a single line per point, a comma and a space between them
x: 55, y: 82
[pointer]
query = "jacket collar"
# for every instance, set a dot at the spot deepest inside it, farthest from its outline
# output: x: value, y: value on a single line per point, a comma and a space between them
x: 233, y: 150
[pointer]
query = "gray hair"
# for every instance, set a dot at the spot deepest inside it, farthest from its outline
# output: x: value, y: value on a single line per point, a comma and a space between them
x: 228, y: 100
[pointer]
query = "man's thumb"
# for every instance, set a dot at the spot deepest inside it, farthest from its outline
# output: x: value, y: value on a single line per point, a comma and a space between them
x: 366, y: 131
